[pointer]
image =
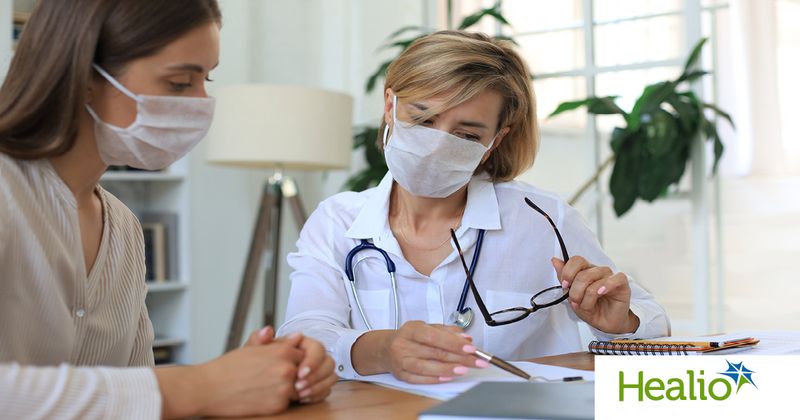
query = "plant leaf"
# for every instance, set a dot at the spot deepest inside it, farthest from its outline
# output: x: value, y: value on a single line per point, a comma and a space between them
x: 405, y: 29
x: 595, y: 105
x: 403, y: 44
x: 380, y: 73
x: 691, y: 76
x: 694, y: 55
x: 477, y: 16
x: 660, y: 134
x: 711, y: 134
x: 649, y: 101
x: 495, y: 13
x: 623, y: 182
x: 720, y: 112
x: 604, y: 105
x: 688, y: 110
x: 718, y: 149
x: 618, y: 137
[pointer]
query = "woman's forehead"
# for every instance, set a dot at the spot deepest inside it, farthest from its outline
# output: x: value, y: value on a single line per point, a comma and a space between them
x: 485, y: 106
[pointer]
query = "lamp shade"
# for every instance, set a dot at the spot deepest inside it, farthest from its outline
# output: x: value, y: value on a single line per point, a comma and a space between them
x: 288, y: 127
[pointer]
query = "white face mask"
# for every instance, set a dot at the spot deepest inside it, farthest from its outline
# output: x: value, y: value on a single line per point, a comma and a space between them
x: 166, y: 129
x: 427, y: 162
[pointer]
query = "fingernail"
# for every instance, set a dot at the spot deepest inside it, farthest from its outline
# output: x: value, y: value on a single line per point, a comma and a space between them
x: 304, y: 371
x: 601, y: 290
x: 573, y: 304
x: 263, y: 332
x: 305, y: 400
x: 564, y: 284
x: 483, y: 364
x: 305, y: 393
x: 465, y: 335
x: 445, y: 378
x: 294, y: 335
x: 299, y: 385
x: 460, y: 370
x: 469, y: 348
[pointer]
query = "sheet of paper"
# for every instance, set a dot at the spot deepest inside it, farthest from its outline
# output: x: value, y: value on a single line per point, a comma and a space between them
x: 773, y: 342
x: 448, y: 390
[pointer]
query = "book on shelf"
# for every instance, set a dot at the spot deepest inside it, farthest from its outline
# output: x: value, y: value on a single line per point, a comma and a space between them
x: 669, y: 346
x: 168, y: 253
x: 163, y: 355
x: 154, y: 252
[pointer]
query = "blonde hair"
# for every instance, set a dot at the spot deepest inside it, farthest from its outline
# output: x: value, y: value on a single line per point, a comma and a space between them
x: 458, y: 65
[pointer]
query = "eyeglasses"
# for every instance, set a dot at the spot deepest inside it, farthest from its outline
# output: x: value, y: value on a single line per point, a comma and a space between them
x: 544, y: 299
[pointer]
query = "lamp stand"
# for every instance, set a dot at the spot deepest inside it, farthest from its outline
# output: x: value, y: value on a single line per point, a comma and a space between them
x: 266, y: 237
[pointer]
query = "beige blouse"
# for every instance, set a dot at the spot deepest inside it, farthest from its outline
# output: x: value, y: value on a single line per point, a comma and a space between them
x: 72, y: 345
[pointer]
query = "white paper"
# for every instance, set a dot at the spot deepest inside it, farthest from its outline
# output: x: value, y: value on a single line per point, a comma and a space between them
x: 448, y: 390
x: 773, y: 342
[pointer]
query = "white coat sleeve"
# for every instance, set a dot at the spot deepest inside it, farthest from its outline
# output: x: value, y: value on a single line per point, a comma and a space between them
x: 580, y: 240
x: 318, y: 303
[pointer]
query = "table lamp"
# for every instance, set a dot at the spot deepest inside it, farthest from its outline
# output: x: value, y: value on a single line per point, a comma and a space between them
x: 278, y: 127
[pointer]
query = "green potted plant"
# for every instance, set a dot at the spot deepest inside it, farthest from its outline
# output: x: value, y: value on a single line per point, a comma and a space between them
x: 652, y: 148
x: 365, y: 137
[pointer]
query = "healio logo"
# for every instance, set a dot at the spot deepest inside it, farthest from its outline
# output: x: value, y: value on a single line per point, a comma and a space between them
x: 693, y: 386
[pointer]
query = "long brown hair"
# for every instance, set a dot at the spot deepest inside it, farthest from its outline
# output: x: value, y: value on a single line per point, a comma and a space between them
x: 458, y: 65
x: 47, y: 83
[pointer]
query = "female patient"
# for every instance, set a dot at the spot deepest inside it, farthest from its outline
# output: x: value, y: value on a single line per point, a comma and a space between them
x: 75, y: 337
x: 459, y: 124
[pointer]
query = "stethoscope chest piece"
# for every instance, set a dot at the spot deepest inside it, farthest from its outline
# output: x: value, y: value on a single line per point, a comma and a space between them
x: 462, y: 319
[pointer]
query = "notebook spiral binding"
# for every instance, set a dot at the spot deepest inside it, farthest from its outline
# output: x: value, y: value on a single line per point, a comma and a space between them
x: 638, y: 349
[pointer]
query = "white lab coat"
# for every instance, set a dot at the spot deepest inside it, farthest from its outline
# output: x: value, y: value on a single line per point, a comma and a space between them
x: 513, y: 265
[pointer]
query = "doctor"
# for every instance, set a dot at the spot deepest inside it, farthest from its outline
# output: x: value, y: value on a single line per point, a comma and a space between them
x: 377, y: 278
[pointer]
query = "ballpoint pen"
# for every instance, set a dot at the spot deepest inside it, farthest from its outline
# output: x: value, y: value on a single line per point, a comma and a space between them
x: 502, y: 364
x: 508, y: 367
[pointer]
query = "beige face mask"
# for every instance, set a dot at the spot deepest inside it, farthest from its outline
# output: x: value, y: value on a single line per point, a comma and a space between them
x: 166, y: 129
x: 427, y: 162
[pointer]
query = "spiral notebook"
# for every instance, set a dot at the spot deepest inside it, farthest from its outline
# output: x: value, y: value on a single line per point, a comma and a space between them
x: 671, y: 346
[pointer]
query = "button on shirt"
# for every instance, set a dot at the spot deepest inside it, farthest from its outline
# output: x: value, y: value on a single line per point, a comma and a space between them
x: 514, y: 264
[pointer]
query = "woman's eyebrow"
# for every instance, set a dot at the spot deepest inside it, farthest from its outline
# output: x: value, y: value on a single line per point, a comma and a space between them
x: 196, y: 68
x: 465, y: 123
x: 476, y: 124
x: 419, y: 106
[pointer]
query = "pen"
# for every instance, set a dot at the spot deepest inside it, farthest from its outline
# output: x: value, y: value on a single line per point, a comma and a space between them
x: 502, y: 364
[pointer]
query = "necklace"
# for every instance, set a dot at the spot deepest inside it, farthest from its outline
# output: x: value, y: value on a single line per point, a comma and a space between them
x: 405, y: 239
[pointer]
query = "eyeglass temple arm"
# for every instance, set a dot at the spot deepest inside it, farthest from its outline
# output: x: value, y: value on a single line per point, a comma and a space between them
x: 555, y: 229
x: 472, y: 286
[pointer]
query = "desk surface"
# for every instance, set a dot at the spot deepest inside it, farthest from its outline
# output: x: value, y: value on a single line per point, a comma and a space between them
x: 360, y: 400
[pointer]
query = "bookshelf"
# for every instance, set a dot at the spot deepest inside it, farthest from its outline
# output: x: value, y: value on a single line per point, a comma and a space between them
x: 166, y: 192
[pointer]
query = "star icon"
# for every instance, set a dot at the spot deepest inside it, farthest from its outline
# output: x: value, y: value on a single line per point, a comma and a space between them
x: 740, y: 374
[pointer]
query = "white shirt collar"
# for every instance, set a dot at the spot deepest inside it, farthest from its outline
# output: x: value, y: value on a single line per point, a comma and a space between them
x: 482, y: 211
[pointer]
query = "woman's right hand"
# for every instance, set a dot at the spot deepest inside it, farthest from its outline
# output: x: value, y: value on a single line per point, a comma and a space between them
x: 423, y: 353
x: 249, y: 381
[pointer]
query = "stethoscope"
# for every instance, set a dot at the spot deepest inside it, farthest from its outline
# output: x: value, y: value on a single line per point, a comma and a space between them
x: 461, y: 317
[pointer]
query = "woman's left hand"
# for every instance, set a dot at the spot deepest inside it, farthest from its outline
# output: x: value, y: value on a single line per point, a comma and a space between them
x: 597, y: 295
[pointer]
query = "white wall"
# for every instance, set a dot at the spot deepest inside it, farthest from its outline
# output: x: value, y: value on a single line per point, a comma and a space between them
x: 320, y: 43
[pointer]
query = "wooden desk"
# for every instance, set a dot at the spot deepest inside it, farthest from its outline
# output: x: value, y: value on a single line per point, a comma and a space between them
x: 360, y: 400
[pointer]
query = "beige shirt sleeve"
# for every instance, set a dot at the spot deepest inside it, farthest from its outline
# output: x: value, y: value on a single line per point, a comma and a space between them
x: 142, y: 353
x: 68, y: 392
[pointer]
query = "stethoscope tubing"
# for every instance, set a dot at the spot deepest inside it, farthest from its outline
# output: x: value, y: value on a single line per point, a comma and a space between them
x: 350, y: 272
